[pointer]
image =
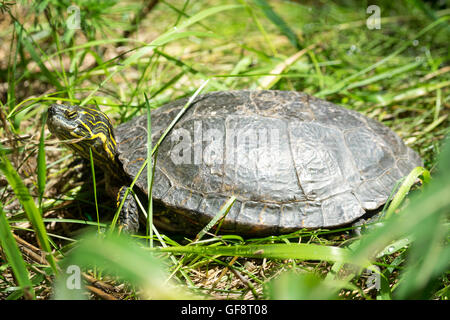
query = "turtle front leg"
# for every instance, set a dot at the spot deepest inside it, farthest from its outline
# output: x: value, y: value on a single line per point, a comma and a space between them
x: 129, y: 214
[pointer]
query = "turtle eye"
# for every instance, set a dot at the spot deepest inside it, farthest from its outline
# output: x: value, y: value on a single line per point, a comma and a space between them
x: 71, y: 114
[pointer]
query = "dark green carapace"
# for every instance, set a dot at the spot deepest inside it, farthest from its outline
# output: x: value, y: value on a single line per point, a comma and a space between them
x: 291, y: 160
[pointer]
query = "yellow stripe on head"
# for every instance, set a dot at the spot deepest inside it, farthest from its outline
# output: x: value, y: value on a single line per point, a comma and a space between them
x: 91, y: 127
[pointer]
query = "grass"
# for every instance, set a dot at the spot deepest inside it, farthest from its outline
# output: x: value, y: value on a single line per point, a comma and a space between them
x: 398, y: 75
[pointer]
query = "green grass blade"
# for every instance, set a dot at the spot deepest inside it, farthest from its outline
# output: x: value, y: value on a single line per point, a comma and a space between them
x: 429, y: 256
x: 260, y: 27
x: 179, y: 115
x: 425, y: 8
x: 28, y: 46
x: 385, y: 75
x: 422, y: 215
x: 278, y: 22
x: 185, y: 67
x: 155, y: 148
x: 341, y: 84
x: 268, y: 81
x: 433, y: 201
x: 304, y: 286
x: 14, y: 257
x: 410, y: 94
x: 171, y: 35
x: 41, y: 164
x: 299, y: 251
x: 405, y: 187
x: 120, y: 256
x: 29, y: 206
x: 94, y: 186
x: 62, y: 220
x: 428, y: 259
x: 94, y: 43
x: 149, y: 227
x: 12, y: 67
x: 221, y: 214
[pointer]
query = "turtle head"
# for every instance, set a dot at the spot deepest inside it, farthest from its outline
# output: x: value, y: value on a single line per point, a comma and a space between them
x: 82, y: 128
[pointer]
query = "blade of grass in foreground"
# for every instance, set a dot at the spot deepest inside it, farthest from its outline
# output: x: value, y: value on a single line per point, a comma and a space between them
x: 299, y: 251
x: 94, y: 185
x: 29, y: 206
x: 221, y: 214
x: 405, y: 187
x: 429, y: 257
x: 304, y: 286
x: 121, y: 256
x: 41, y: 165
x: 395, y: 203
x: 150, y: 172
x: 421, y: 220
x: 14, y: 257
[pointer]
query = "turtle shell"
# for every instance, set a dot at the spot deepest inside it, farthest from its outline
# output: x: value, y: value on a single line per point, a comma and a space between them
x: 291, y: 160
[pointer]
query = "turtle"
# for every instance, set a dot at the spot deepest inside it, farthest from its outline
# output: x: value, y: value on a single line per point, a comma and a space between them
x: 290, y: 160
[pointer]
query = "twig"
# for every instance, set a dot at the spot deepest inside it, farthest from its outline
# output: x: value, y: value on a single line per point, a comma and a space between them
x: 246, y: 282
x: 14, y: 139
x: 99, y: 284
x: 100, y: 293
x: 30, y: 251
x: 224, y: 271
